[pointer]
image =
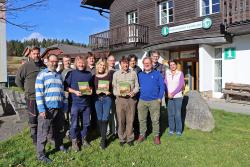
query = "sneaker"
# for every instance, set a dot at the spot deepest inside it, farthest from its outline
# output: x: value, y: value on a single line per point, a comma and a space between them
x: 75, y: 146
x: 178, y: 134
x: 85, y: 143
x: 131, y: 143
x: 157, y: 140
x: 170, y: 133
x: 141, y: 139
x: 45, y: 160
x: 63, y: 149
x: 122, y: 144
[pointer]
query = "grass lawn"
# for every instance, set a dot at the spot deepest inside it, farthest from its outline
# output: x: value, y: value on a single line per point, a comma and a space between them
x: 227, y: 145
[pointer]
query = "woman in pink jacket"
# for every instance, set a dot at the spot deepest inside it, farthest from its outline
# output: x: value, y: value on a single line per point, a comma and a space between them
x: 174, y: 82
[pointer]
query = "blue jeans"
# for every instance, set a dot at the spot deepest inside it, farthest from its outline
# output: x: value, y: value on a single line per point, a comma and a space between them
x: 174, y: 114
x: 81, y: 113
x: 102, y: 107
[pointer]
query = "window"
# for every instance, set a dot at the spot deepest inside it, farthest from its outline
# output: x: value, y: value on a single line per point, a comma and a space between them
x: 208, y: 7
x: 166, y: 12
x: 218, y: 70
x: 132, y: 28
x: 133, y: 17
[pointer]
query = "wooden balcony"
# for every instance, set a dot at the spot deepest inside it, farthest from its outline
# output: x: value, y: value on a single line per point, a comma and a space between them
x: 235, y: 12
x: 132, y: 35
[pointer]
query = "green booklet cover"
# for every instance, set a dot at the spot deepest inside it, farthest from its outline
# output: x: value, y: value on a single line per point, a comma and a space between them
x: 103, y: 86
x: 84, y: 88
x: 124, y: 88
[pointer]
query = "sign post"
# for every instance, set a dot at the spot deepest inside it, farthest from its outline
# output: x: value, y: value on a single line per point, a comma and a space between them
x: 3, y: 52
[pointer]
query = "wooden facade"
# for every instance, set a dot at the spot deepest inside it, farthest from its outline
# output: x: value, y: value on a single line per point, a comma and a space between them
x: 236, y: 16
x: 185, y: 11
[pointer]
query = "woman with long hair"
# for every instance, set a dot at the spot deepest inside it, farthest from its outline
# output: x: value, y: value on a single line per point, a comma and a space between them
x: 103, y: 101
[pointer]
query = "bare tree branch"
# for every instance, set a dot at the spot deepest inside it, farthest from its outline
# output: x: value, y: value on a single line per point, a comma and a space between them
x: 38, y: 3
x: 22, y: 25
x: 14, y: 7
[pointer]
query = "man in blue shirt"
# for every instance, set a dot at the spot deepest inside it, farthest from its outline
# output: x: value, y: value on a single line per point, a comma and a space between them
x: 80, y: 109
x: 151, y: 93
x: 50, y: 102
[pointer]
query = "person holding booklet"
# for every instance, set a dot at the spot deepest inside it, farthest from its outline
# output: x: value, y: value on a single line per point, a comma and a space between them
x: 125, y: 87
x: 103, y: 101
x: 79, y: 85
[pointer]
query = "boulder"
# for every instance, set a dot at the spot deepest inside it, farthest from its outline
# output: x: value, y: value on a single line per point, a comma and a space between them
x: 198, y: 114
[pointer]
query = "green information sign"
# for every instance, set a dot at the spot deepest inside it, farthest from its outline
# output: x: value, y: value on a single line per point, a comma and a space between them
x: 165, y: 31
x: 229, y: 53
x: 205, y: 24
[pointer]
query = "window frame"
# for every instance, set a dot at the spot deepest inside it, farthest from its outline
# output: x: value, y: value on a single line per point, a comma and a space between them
x: 167, y: 8
x: 134, y: 20
x: 210, y: 5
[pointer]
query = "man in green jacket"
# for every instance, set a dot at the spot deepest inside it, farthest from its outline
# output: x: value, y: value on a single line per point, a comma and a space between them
x: 25, y: 79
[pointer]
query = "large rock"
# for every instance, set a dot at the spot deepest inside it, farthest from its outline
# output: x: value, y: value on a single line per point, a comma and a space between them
x: 13, y: 102
x: 198, y: 113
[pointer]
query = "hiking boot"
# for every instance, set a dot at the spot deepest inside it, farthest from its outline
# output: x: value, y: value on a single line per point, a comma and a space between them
x: 157, y: 140
x: 131, y: 143
x: 122, y: 144
x: 45, y: 160
x: 141, y: 139
x: 103, y: 144
x: 75, y: 146
x: 85, y: 143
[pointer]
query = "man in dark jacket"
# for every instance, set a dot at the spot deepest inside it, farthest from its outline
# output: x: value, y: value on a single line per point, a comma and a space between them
x: 155, y: 55
x: 25, y: 79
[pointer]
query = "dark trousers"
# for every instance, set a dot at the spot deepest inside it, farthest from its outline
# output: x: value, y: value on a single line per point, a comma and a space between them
x: 79, y: 113
x: 54, y: 120
x: 33, y: 115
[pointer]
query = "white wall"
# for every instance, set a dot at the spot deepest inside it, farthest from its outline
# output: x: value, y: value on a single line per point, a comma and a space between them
x: 3, y: 52
x: 237, y: 70
x: 206, y: 53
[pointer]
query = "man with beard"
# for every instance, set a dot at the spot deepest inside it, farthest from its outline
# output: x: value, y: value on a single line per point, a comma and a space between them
x: 25, y: 79
x: 51, y: 102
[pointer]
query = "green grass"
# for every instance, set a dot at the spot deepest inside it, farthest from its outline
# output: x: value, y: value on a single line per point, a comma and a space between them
x: 227, y: 145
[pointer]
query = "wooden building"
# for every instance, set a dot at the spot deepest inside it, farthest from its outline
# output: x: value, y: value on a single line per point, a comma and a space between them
x: 209, y: 38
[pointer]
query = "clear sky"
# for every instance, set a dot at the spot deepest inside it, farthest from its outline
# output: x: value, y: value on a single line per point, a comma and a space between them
x: 60, y: 19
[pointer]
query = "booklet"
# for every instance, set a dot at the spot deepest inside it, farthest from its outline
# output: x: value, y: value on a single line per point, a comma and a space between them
x: 103, y: 86
x: 124, y: 88
x: 84, y: 88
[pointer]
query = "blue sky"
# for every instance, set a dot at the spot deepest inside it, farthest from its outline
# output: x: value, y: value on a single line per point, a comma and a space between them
x: 61, y: 20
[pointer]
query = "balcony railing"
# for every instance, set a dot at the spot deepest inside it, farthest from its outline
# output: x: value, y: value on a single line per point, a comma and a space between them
x: 132, y: 34
x: 235, y: 11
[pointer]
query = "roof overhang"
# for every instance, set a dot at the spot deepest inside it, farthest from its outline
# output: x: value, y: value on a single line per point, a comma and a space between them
x: 169, y: 45
x: 102, y: 4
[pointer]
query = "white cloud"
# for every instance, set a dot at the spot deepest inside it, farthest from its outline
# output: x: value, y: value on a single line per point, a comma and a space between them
x: 34, y: 35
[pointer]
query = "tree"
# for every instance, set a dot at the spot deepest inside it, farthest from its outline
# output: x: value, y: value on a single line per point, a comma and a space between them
x: 12, y: 8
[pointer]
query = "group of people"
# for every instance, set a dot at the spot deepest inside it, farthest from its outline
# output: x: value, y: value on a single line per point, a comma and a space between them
x: 123, y: 97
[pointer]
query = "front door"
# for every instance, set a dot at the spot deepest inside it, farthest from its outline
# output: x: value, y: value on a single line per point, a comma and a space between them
x: 189, y: 64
